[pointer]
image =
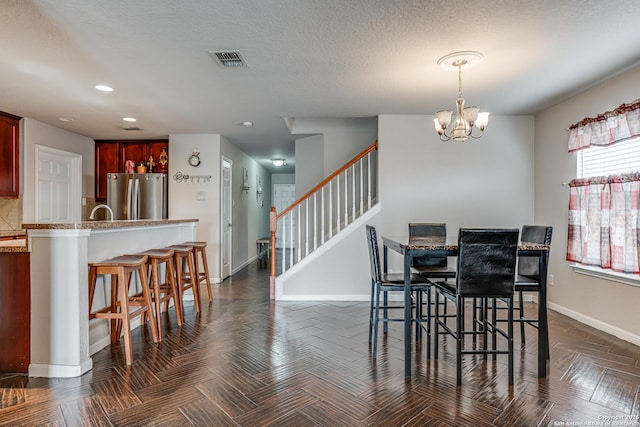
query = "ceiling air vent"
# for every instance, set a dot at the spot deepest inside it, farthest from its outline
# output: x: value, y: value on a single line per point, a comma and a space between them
x: 131, y: 128
x: 228, y: 58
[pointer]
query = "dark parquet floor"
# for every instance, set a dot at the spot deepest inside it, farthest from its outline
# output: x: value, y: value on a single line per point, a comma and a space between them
x: 249, y: 362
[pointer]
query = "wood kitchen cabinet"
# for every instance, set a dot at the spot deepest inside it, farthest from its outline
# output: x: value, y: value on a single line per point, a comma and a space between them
x: 15, y: 312
x: 133, y: 150
x: 9, y: 155
x: 111, y: 156
x: 159, y: 150
x: 106, y: 162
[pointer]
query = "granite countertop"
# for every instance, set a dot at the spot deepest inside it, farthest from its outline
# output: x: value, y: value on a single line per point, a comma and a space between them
x: 13, y: 249
x: 449, y: 244
x: 102, y: 225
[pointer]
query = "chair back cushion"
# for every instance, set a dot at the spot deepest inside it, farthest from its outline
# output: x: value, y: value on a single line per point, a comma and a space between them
x: 423, y: 229
x: 487, y: 262
x: 374, y: 254
x: 528, y: 266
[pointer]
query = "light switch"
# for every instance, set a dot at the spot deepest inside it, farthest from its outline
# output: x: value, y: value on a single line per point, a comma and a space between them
x: 201, y: 195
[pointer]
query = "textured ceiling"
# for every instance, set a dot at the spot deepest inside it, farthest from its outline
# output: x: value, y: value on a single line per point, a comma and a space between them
x: 306, y: 58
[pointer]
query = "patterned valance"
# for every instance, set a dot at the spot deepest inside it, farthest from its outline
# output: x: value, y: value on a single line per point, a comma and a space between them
x: 607, y: 128
x: 611, y: 179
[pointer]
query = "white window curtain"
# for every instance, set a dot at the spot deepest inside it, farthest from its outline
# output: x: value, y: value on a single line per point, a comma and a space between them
x: 604, y: 222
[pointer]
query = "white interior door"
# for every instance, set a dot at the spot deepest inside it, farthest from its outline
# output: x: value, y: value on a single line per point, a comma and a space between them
x: 58, y: 185
x: 283, y: 196
x: 227, y: 215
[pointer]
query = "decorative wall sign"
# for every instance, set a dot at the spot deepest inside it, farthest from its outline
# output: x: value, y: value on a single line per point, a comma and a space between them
x: 245, y: 180
x: 181, y: 177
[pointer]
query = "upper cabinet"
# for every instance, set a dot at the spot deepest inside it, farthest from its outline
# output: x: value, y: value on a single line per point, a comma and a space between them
x: 9, y: 155
x: 106, y: 162
x: 112, y: 155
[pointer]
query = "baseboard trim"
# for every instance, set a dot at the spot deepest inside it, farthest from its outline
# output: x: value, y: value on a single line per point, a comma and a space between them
x: 343, y: 298
x: 597, y: 324
x: 59, y: 371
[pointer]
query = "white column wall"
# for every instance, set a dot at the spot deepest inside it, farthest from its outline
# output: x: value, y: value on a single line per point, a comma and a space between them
x: 184, y: 196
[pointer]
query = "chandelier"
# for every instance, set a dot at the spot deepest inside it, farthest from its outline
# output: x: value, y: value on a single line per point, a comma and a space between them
x: 468, y: 118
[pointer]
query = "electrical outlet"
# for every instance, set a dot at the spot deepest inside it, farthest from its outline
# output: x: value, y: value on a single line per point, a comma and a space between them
x: 550, y: 280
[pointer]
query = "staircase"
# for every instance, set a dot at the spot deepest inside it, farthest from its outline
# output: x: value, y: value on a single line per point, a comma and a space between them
x: 323, y: 212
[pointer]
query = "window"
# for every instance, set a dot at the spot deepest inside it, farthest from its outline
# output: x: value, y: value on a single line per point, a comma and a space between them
x: 604, y: 199
x: 621, y: 157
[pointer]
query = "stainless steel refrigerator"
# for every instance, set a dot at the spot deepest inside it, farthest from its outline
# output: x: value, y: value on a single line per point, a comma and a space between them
x: 137, y: 195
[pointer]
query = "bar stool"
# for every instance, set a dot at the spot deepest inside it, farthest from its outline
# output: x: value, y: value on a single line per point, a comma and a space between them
x: 200, y: 249
x: 185, y: 272
x: 162, y: 291
x: 121, y: 270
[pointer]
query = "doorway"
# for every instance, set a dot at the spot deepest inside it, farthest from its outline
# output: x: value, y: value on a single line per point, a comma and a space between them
x: 226, y: 222
x: 58, y: 189
x: 283, y: 196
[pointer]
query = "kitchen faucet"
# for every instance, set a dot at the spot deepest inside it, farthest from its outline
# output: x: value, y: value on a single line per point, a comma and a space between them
x: 93, y: 211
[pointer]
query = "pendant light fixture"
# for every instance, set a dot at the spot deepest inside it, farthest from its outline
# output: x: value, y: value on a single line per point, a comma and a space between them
x: 468, y: 118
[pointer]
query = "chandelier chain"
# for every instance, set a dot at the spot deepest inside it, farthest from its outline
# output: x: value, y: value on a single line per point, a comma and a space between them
x: 459, y: 80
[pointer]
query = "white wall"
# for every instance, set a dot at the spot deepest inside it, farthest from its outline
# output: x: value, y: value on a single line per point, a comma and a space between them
x: 282, y: 178
x: 343, y: 139
x: 607, y: 305
x: 34, y: 132
x: 484, y: 183
x: 309, y: 163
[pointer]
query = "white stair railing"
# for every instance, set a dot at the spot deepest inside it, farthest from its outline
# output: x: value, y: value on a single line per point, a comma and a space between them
x: 323, y: 212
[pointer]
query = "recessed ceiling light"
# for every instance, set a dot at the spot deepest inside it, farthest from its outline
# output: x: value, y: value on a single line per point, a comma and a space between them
x: 129, y: 119
x: 247, y: 124
x: 65, y: 119
x: 104, y: 88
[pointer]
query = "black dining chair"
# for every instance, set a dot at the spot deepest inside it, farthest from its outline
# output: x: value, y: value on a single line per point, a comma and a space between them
x: 381, y: 285
x: 528, y: 277
x: 431, y: 266
x: 529, y: 274
x: 486, y: 268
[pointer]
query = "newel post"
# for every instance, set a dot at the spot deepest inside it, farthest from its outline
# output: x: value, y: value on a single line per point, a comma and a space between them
x: 272, y: 258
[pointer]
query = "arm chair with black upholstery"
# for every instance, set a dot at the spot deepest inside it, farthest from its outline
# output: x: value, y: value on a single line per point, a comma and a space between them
x: 486, y: 268
x: 381, y: 285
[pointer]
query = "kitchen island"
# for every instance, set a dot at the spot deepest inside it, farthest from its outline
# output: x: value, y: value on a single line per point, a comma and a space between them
x: 62, y: 339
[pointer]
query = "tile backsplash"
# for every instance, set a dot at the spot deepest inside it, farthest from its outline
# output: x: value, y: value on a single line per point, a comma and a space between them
x: 11, y: 214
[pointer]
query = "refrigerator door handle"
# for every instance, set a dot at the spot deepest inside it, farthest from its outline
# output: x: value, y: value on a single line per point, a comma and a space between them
x: 136, y: 200
x: 129, y: 205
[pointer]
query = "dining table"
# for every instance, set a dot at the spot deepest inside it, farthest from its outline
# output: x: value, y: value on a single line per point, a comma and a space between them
x: 410, y: 247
